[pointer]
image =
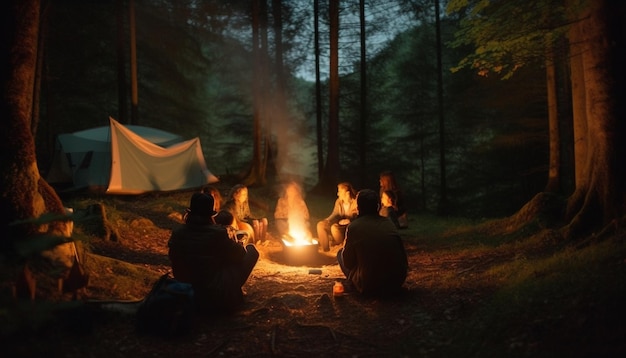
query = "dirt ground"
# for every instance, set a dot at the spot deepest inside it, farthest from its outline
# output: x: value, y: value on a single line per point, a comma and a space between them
x: 290, y: 310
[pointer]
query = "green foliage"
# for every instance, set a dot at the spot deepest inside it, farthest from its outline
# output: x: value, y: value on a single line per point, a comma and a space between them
x: 506, y: 35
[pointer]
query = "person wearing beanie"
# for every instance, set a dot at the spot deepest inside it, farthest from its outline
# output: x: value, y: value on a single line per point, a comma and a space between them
x: 202, y: 254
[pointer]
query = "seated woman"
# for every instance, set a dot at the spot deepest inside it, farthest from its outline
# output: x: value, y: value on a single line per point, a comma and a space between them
x: 387, y: 181
x: 237, y: 204
x: 333, y: 228
x: 388, y: 207
x: 217, y: 196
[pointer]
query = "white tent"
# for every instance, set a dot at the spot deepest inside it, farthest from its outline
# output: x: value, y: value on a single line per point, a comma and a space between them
x: 129, y: 160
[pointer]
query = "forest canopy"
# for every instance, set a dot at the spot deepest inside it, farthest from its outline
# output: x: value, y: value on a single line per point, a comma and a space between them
x: 195, y: 66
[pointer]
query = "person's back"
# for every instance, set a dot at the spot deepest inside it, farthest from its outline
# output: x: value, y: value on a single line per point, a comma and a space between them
x: 206, y: 245
x: 203, y: 254
x: 373, y: 257
x: 380, y: 259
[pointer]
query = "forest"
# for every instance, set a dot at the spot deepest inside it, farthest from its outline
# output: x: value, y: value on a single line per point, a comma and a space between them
x: 482, y: 142
x: 484, y: 110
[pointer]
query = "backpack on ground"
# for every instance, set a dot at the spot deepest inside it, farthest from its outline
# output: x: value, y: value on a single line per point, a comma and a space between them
x: 168, y: 309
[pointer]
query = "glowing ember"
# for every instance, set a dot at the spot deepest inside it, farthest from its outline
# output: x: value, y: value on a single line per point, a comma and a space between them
x: 289, y: 240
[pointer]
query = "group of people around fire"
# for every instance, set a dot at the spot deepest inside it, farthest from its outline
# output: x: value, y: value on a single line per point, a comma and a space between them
x: 215, y: 250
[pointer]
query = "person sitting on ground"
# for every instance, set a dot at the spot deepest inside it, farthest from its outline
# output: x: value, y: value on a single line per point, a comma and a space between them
x: 387, y: 181
x: 373, y: 257
x: 332, y: 229
x: 238, y: 205
x: 388, y: 207
x: 291, y: 210
x: 202, y: 254
x: 217, y: 196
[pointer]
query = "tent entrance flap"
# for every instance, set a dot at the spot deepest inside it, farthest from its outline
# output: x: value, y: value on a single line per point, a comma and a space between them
x: 137, y: 165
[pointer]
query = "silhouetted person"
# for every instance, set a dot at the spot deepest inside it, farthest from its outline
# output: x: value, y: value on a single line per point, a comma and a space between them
x: 203, y: 254
x: 373, y: 257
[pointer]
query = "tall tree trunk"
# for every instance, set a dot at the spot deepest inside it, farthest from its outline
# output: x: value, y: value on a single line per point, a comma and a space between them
x: 20, y: 176
x: 600, y: 196
x: 363, y: 142
x: 39, y: 68
x: 254, y: 173
x: 554, y: 177
x: 331, y: 171
x: 134, y: 101
x: 24, y: 194
x: 577, y: 79
x: 121, y: 62
x: 318, y: 91
x: 443, y: 185
x: 266, y: 94
x: 280, y: 111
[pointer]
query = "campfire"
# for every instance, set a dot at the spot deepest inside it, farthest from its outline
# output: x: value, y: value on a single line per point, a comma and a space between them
x: 298, y: 244
x: 297, y: 251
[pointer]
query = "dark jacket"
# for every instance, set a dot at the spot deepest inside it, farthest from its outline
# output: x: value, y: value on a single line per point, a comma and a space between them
x: 374, y: 255
x: 203, y: 254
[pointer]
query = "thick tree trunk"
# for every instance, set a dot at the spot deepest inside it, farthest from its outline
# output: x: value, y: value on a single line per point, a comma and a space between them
x: 24, y: 194
x: 600, y: 196
x: 20, y: 176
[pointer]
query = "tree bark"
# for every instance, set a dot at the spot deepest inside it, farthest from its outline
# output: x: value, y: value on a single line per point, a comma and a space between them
x: 577, y: 79
x: 443, y: 208
x: 134, y: 91
x: 554, y: 173
x: 121, y: 62
x: 280, y: 111
x: 363, y: 140
x: 600, y: 196
x: 331, y: 170
x: 318, y: 92
x: 24, y: 194
x: 20, y: 198
x: 254, y: 174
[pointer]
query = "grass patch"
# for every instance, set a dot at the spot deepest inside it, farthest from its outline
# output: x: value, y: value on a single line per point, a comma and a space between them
x: 545, y: 305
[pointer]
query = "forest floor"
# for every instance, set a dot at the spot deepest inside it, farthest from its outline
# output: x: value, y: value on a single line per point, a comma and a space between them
x: 289, y: 309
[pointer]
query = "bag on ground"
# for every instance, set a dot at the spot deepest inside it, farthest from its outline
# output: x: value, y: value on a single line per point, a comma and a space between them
x: 168, y: 309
